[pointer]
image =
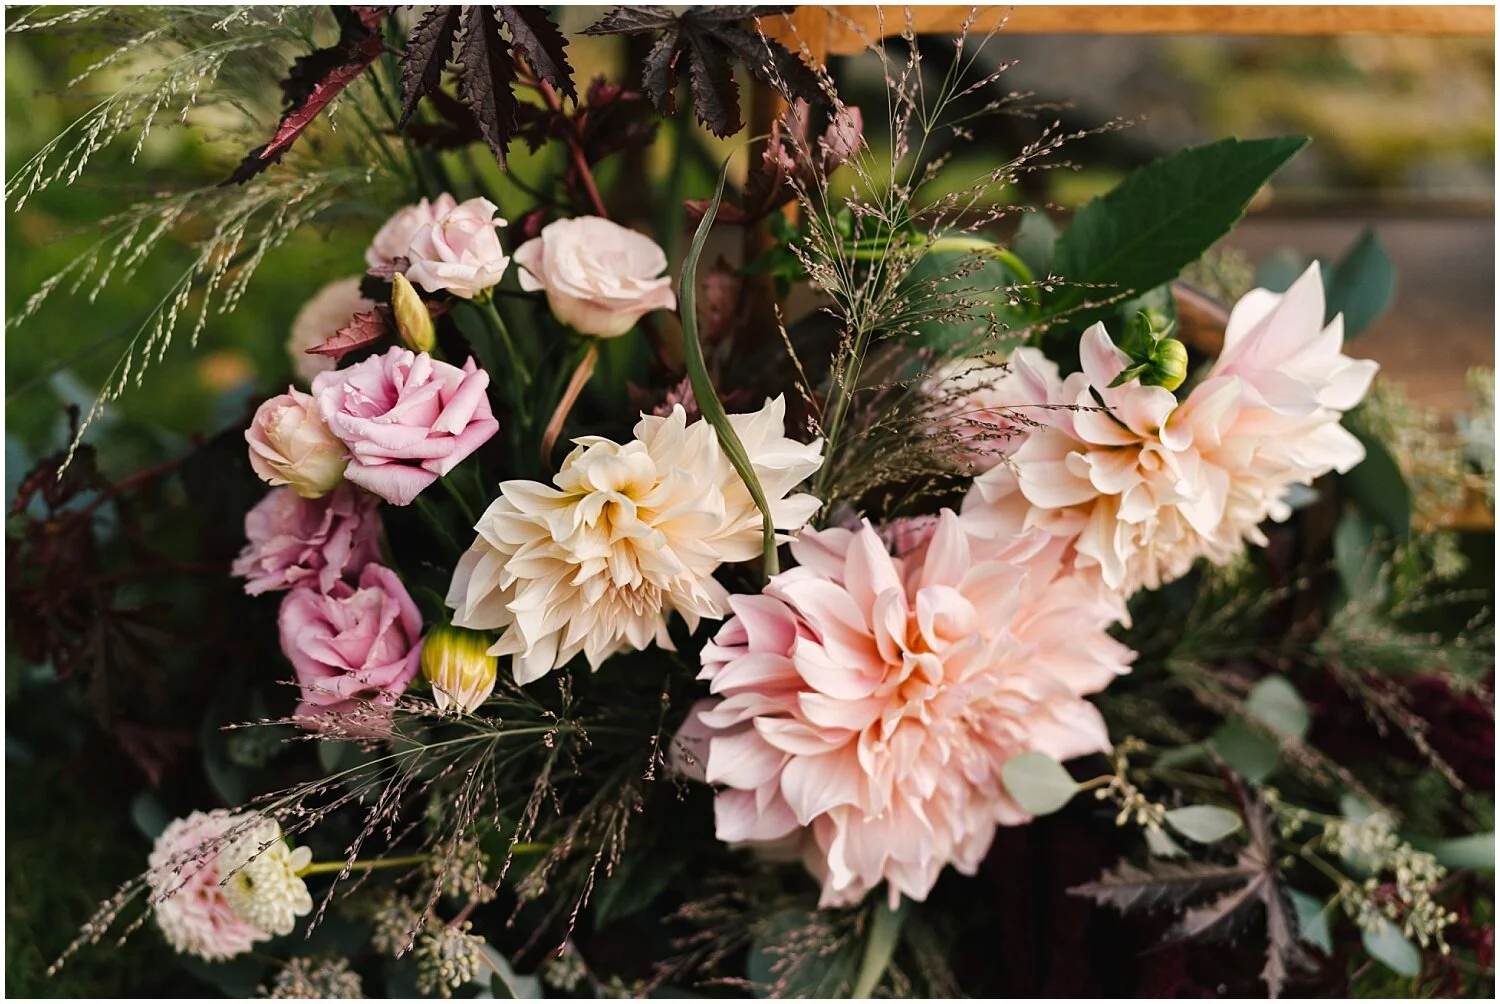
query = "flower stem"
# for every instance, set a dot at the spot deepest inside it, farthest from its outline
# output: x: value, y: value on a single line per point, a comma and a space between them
x: 325, y: 867
x: 497, y: 324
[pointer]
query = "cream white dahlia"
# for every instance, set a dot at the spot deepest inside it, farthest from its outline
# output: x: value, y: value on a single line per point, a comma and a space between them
x: 629, y: 534
x: 1144, y: 486
x: 264, y: 887
x: 187, y: 901
x: 870, y: 702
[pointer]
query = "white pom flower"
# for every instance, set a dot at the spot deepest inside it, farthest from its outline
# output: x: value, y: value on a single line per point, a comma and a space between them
x: 630, y: 534
x: 266, y: 890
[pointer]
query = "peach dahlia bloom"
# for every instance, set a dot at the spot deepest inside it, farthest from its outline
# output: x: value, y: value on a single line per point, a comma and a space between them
x: 1144, y: 486
x: 629, y: 534
x: 873, y: 700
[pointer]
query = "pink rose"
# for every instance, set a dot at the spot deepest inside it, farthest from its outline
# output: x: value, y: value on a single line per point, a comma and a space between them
x: 295, y: 541
x: 600, y: 277
x: 290, y: 444
x: 352, y: 646
x: 393, y: 240
x: 459, y: 251
x: 407, y: 419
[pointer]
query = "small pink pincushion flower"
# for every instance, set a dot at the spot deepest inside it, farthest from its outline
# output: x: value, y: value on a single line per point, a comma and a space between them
x: 187, y: 900
x: 874, y: 700
x: 352, y: 646
x: 290, y: 444
x: 459, y: 251
x: 600, y: 277
x: 393, y: 240
x: 407, y: 419
x: 293, y: 541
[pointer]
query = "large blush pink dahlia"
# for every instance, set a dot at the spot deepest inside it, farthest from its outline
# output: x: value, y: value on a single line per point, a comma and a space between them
x: 873, y: 700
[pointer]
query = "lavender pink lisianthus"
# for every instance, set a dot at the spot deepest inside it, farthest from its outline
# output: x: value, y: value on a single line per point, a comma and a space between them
x: 293, y: 541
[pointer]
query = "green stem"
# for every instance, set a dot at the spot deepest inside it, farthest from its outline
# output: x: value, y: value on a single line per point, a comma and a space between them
x: 325, y: 867
x: 497, y: 324
x: 458, y: 497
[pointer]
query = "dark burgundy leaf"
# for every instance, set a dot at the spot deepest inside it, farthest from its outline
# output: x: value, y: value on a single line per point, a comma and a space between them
x: 716, y: 94
x: 313, y: 81
x: 712, y: 41
x: 543, y: 45
x: 428, y: 52
x: 488, y: 75
x: 364, y: 328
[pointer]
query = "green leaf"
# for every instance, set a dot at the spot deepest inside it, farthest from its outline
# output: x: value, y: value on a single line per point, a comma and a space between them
x: 1476, y: 851
x: 1386, y: 942
x: 1361, y: 285
x: 1280, y: 269
x: 976, y: 284
x: 1035, y: 240
x: 148, y: 814
x: 1360, y: 568
x: 703, y: 387
x: 1039, y: 784
x: 1275, y: 702
x: 1377, y: 486
x: 1203, y: 823
x: 880, y: 945
x: 1354, y: 808
x: 1312, y: 921
x: 770, y: 967
x: 1253, y: 754
x: 1160, y: 219
x: 638, y: 880
x: 1161, y: 845
x: 239, y: 977
x: 229, y: 780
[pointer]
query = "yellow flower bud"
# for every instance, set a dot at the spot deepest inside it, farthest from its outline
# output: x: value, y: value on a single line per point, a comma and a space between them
x: 1169, y: 360
x: 456, y: 662
x: 412, y: 319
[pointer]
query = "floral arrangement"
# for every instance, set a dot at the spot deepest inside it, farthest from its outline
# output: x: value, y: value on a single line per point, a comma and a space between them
x: 642, y: 630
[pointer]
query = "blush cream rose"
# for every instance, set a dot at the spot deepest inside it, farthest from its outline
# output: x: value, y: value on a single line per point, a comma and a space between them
x: 600, y: 278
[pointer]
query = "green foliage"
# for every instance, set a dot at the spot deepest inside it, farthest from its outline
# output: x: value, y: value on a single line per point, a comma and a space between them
x: 1157, y: 221
x: 1039, y: 784
x: 1361, y: 286
x: 1377, y: 486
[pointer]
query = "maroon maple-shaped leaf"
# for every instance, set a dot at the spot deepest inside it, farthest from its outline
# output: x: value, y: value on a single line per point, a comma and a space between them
x: 541, y: 43
x: 365, y: 328
x: 488, y: 79
x: 315, y: 80
x: 704, y: 44
x: 428, y: 51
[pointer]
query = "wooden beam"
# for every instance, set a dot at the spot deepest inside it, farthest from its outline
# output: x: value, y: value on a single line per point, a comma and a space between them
x: 847, y: 29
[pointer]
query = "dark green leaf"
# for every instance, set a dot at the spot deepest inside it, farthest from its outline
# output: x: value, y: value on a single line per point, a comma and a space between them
x: 238, y: 978
x: 880, y: 945
x: 1253, y: 754
x: 148, y: 814
x: 780, y: 965
x: 1158, y: 220
x: 1378, y: 488
x: 1361, y: 285
x: 1279, y: 270
x: 1361, y: 570
x: 1034, y: 242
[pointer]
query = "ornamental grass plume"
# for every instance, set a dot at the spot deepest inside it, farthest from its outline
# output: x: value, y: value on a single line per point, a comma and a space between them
x: 630, y: 534
x: 870, y: 702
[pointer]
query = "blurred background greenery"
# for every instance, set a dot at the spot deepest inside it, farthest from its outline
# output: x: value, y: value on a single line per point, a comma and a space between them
x: 1403, y: 130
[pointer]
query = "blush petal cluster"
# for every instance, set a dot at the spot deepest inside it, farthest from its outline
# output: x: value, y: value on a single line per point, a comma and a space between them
x: 1142, y: 485
x: 600, y: 277
x: 625, y: 536
x: 352, y: 645
x: 187, y: 900
x: 406, y: 419
x: 293, y: 541
x: 868, y: 702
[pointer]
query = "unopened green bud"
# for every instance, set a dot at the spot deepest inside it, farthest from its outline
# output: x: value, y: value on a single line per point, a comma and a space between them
x: 1169, y: 362
x: 457, y: 663
x: 412, y: 319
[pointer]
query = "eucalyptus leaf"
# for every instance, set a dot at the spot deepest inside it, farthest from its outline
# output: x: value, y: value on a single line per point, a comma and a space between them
x: 1385, y: 942
x: 1161, y: 845
x: 1039, y: 784
x: 148, y: 814
x: 1203, y: 823
x: 1361, y: 285
x: 1361, y: 572
x: 880, y: 946
x: 1312, y: 920
x: 1274, y: 701
x: 1158, y: 220
x: 1354, y: 808
x: 1476, y: 851
x: 1253, y: 754
x: 1378, y: 487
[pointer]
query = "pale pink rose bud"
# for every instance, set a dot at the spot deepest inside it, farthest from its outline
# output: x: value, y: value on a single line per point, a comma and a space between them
x: 407, y: 419
x: 293, y: 541
x: 459, y: 251
x: 393, y: 240
x: 842, y: 138
x: 290, y: 444
x: 600, y: 277
x: 352, y: 646
x: 320, y: 319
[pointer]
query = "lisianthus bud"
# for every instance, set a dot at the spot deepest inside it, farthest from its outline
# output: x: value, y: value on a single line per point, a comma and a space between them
x: 412, y: 319
x: 290, y: 444
x: 1168, y: 367
x: 456, y: 662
